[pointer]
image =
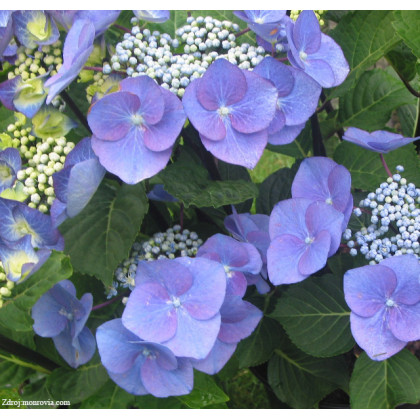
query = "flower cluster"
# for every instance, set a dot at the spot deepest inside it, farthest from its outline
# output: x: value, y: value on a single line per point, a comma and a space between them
x: 394, y: 214
x: 6, y: 286
x: 385, y: 305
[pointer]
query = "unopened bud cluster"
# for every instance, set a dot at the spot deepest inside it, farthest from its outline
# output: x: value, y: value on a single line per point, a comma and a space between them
x: 31, y: 63
x: 6, y: 286
x: 294, y: 14
x: 170, y: 244
x: 394, y: 212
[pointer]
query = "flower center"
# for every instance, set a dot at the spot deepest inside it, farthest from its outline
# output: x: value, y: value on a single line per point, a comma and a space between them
x: 137, y: 119
x: 390, y: 303
x: 309, y: 240
x: 175, y: 301
x: 227, y: 271
x: 68, y: 315
x: 259, y: 20
x: 223, y: 111
x: 329, y: 200
x: 303, y: 56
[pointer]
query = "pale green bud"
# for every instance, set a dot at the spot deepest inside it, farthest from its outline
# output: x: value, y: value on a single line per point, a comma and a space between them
x: 10, y: 285
x: 50, y: 200
x: 43, y: 208
x: 35, y: 198
x: 32, y: 205
x: 44, y: 158
x: 4, y: 291
x: 58, y: 166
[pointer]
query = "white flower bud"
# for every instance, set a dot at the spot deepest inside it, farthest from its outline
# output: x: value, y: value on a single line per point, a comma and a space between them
x: 54, y: 156
x: 43, y: 208
x: 42, y: 178
x: 49, y: 191
x: 35, y: 198
x: 50, y: 200
x: 58, y: 166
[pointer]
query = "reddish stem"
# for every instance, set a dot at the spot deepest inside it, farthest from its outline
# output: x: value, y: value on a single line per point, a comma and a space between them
x: 93, y: 68
x: 244, y: 31
x: 123, y: 28
x: 102, y: 305
x: 385, y: 165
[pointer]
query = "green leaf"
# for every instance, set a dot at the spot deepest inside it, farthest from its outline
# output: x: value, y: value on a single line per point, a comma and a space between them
x: 407, y: 26
x: 151, y: 402
x: 403, y: 61
x: 205, y: 392
x: 275, y: 188
x: 259, y: 346
x: 366, y: 169
x: 109, y: 396
x: 316, y: 317
x: 301, y: 380
x: 188, y: 181
x: 36, y: 391
x: 101, y: 236
x: 364, y: 36
x: 385, y: 384
x: 65, y: 384
x: 368, y: 105
x: 407, y: 114
x: 15, y: 312
x: 12, y: 374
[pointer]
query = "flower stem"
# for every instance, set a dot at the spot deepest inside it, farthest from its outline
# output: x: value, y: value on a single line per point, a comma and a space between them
x: 75, y: 109
x: 108, y: 302
x: 93, y: 68
x: 244, y: 31
x: 318, y: 145
x: 385, y: 165
x: 123, y: 28
x: 181, y: 216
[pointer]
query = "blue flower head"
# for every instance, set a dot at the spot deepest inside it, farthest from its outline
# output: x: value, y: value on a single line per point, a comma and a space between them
x: 176, y: 303
x: 303, y: 235
x: 321, y: 179
x: 134, y: 129
x: 142, y: 367
x: 385, y: 305
x: 314, y: 52
x: 231, y: 109
x: 60, y: 315
x: 380, y: 141
x: 76, y: 183
x: 10, y: 164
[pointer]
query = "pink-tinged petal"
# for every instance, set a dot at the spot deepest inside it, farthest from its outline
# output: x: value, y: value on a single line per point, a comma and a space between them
x: 152, y: 101
x: 283, y: 257
x: 193, y: 338
x: 8, y: 91
x: 150, y: 313
x: 207, y: 123
x: 128, y: 158
x: 321, y: 216
x: 286, y: 135
x: 131, y: 380
x: 216, y: 359
x: 407, y: 271
x: 162, y: 135
x: 316, y: 254
x: 259, y: 282
x: 320, y: 71
x: 404, y: 321
x: 347, y: 213
x: 238, y: 148
x: 164, y: 383
x: 288, y: 217
x: 277, y: 123
x: 307, y: 32
x: 110, y: 117
x: 339, y: 184
x: 374, y: 336
x: 223, y: 84
x: 255, y: 111
x: 236, y: 283
x: 367, y: 288
x: 206, y: 295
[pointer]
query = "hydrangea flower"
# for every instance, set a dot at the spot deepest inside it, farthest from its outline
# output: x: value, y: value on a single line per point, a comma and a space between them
x: 10, y: 164
x: 252, y: 228
x: 6, y: 32
x: 303, y: 235
x: 385, y: 305
x: 134, y: 129
x: 298, y: 96
x: 378, y: 141
x: 231, y: 109
x: 76, y: 183
x: 314, y: 52
x: 77, y: 49
x: 101, y: 19
x: 60, y: 315
x: 321, y: 179
x: 236, y: 257
x: 142, y: 367
x: 156, y: 16
x: 239, y: 320
x: 176, y: 303
x: 158, y: 193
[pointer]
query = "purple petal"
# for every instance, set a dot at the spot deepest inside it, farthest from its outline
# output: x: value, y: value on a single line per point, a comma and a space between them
x: 367, y: 288
x: 152, y: 100
x: 277, y: 123
x: 223, y: 84
x: 110, y: 117
x: 81, y: 152
x: 307, y: 33
x: 259, y: 282
x: 208, y: 123
x: 101, y: 19
x: 8, y: 90
x: 148, y: 313
x: 320, y: 71
x: 374, y: 336
x: 157, y: 16
x: 316, y: 254
x: 339, y: 184
x: 286, y: 135
x: 404, y: 322
x: 283, y: 257
x: 238, y: 148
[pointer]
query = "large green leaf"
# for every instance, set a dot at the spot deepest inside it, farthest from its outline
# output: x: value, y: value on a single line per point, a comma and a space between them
x: 407, y: 114
x: 364, y: 36
x: 316, y: 317
x: 12, y: 374
x: 205, y: 392
x: 407, y: 26
x: 66, y: 384
x: 385, y: 384
x: 259, y: 346
x: 403, y: 61
x: 109, y: 396
x: 15, y: 313
x: 368, y: 105
x: 101, y: 236
x: 366, y: 169
x: 189, y: 182
x: 301, y: 380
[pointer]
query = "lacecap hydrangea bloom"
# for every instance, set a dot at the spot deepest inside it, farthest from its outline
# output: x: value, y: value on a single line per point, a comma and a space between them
x: 231, y: 109
x: 60, y: 315
x: 385, y: 305
x: 304, y: 233
x: 380, y: 141
x: 134, y: 129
